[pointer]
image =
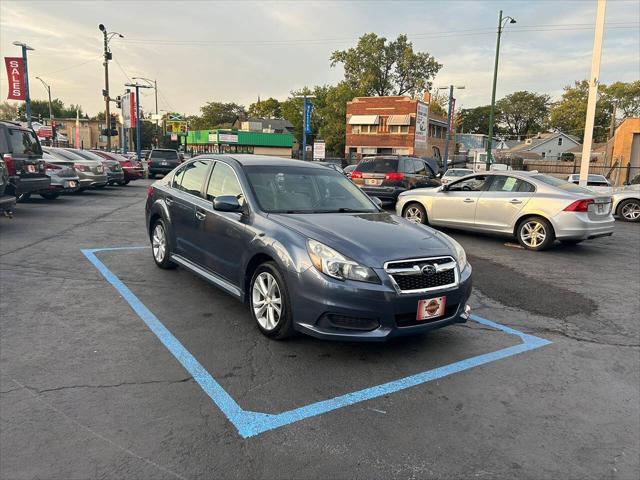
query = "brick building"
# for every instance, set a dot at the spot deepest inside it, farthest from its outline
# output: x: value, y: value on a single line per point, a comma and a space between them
x: 394, y: 126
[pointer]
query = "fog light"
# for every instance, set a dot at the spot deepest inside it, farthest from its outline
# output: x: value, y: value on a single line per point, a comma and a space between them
x: 467, y: 312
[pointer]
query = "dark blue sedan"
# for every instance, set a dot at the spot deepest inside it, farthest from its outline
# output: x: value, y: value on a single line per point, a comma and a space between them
x: 306, y: 249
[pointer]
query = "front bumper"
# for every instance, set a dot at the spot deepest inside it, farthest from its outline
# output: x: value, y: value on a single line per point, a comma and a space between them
x: 316, y: 298
x: 578, y: 226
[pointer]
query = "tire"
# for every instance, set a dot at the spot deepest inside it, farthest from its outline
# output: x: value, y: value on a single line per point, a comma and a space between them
x: 22, y: 197
x: 629, y: 210
x: 535, y: 233
x: 126, y: 182
x: 160, y: 246
x: 49, y: 195
x: 415, y: 212
x: 271, y: 324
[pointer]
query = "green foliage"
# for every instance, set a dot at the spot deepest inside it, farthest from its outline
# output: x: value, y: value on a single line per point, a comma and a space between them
x: 40, y: 108
x: 269, y: 108
x: 217, y: 115
x: 626, y: 97
x: 475, y: 120
x: 147, y: 131
x: 439, y: 104
x: 8, y: 111
x: 376, y: 66
x: 523, y: 112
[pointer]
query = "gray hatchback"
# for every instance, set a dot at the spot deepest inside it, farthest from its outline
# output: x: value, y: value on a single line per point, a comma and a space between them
x: 306, y: 249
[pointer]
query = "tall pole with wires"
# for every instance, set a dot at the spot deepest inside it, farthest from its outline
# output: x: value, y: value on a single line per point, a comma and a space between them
x: 105, y: 93
x: 154, y: 85
x: 138, y: 86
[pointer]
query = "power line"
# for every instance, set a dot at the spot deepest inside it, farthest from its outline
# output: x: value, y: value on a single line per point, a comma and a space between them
x: 122, y: 69
x: 70, y: 67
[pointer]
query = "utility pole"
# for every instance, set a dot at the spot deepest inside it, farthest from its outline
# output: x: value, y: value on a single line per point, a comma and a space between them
x: 105, y: 93
x: 155, y: 89
x: 449, y: 122
x: 137, y: 86
x: 593, y: 93
x: 612, y: 125
x: 27, y: 97
x: 48, y: 88
x: 501, y: 24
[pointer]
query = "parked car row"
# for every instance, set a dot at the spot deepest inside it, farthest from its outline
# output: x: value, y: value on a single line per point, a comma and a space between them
x: 27, y: 168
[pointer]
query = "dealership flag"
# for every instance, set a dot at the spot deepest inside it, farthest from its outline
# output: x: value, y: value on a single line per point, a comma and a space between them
x: 77, y: 128
x: 15, y: 75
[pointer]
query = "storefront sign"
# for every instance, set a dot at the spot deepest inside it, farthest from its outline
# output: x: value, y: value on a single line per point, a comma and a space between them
x: 227, y: 138
x: 15, y: 75
x: 213, y: 138
x: 318, y: 150
x: 422, y: 125
x: 129, y: 110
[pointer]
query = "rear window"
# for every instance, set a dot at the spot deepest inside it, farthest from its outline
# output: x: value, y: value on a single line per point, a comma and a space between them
x: 378, y: 165
x: 24, y: 142
x: 164, y: 154
x: 561, y: 184
x: 458, y: 173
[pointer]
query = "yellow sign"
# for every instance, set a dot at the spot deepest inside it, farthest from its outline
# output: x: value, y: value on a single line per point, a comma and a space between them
x: 177, y: 127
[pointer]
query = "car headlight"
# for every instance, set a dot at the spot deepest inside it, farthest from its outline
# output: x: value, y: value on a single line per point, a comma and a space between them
x: 336, y: 265
x: 460, y: 254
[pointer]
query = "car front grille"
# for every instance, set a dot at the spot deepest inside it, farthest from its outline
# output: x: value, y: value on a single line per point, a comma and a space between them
x: 408, y: 275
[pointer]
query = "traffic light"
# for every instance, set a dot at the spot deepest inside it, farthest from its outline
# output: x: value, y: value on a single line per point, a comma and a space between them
x: 118, y: 101
x: 113, y: 122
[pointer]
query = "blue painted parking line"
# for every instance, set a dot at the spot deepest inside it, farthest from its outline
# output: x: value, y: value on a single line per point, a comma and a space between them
x: 249, y: 423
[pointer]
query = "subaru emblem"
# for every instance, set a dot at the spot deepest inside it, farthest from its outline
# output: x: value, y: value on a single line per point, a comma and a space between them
x: 428, y: 270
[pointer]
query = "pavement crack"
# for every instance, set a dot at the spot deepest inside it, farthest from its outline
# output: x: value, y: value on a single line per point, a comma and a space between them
x: 114, y: 385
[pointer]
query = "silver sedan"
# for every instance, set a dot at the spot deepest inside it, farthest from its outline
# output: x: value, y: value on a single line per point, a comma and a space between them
x: 535, y: 208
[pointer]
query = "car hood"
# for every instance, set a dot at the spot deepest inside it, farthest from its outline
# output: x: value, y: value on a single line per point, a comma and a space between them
x: 370, y: 239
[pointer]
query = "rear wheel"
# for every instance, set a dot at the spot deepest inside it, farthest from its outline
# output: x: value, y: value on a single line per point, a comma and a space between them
x: 269, y: 302
x: 535, y: 233
x: 415, y: 212
x: 629, y: 210
x: 49, y: 195
x: 160, y: 245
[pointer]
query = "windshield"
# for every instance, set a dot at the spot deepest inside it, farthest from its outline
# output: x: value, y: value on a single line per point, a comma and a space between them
x: 562, y: 184
x: 24, y: 142
x: 281, y: 189
x: 378, y: 165
x: 164, y: 154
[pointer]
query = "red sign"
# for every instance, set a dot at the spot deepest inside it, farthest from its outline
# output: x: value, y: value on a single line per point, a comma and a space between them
x: 453, y: 112
x: 15, y: 74
x: 45, y: 132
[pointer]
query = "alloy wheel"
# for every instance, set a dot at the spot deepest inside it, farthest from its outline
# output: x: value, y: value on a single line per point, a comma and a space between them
x: 631, y: 211
x: 159, y: 243
x: 413, y: 214
x: 533, y: 233
x: 266, y: 301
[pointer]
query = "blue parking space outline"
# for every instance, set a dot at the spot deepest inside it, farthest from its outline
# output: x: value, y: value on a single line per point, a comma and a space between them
x: 249, y: 423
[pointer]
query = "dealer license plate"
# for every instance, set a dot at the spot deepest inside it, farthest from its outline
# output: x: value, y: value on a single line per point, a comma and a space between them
x: 164, y: 163
x: 72, y: 184
x: 431, y: 308
x: 31, y: 168
x: 372, y: 181
x: 602, y: 208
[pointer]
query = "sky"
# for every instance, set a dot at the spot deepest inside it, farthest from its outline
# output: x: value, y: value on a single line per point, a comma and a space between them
x: 200, y: 51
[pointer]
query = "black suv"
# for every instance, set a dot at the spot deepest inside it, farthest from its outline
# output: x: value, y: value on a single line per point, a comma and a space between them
x: 22, y: 155
x: 163, y: 160
x: 7, y: 202
x: 386, y: 177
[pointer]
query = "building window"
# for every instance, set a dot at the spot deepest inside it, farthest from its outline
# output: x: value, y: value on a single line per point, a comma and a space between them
x: 364, y: 129
x: 383, y: 128
x: 559, y: 141
x: 544, y: 154
x: 400, y: 129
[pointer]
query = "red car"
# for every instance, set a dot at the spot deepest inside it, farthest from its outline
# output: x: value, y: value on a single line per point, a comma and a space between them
x: 132, y: 168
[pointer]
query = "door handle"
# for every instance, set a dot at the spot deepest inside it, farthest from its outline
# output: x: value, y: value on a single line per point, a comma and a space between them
x: 169, y: 200
x: 515, y: 202
x: 468, y: 200
x: 200, y: 215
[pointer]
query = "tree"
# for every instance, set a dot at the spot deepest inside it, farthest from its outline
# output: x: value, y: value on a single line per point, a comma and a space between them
x: 523, y: 112
x: 269, y: 108
x: 439, y: 104
x: 626, y: 96
x: 569, y: 114
x: 475, y: 120
x: 8, y: 111
x: 40, y: 108
x: 217, y: 115
x: 377, y: 67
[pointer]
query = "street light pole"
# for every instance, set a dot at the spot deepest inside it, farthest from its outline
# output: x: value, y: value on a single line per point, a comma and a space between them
x: 449, y: 114
x: 155, y: 89
x: 27, y: 97
x: 493, y: 91
x: 48, y: 87
x: 107, y: 56
x: 137, y: 86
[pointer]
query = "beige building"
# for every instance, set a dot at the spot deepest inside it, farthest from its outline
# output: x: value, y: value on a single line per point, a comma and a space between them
x: 89, y: 132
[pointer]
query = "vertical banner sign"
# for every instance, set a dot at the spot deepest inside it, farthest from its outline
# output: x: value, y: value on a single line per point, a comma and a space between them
x: 15, y: 75
x: 126, y: 110
x: 453, y: 114
x: 132, y: 109
x: 421, y: 124
x: 308, y: 107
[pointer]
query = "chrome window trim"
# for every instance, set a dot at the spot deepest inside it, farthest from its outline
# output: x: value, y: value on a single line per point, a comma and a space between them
x: 451, y: 265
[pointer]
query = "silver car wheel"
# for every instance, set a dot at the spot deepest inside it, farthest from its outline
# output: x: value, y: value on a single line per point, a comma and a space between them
x: 266, y: 301
x: 533, y: 233
x: 413, y: 214
x: 159, y: 243
x: 631, y: 211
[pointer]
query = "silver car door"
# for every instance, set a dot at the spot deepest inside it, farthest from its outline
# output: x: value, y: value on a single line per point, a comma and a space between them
x: 501, y: 202
x: 456, y: 205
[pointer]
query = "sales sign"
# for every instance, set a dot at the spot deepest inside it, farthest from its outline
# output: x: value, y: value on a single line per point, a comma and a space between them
x: 15, y: 75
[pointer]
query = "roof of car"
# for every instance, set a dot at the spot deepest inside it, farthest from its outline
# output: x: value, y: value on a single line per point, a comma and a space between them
x: 249, y: 159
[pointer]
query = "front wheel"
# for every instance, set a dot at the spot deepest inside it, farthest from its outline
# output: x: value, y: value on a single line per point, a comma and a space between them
x: 160, y: 246
x: 629, y: 210
x: 414, y: 212
x: 535, y: 233
x: 49, y: 195
x: 269, y: 302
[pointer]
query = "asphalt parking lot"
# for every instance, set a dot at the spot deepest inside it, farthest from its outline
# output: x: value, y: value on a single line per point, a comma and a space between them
x: 88, y: 390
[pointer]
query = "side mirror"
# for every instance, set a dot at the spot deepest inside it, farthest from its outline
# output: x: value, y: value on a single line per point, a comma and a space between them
x: 226, y: 203
x: 377, y: 201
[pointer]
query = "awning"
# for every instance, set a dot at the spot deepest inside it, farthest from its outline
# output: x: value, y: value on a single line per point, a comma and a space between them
x: 363, y: 120
x: 399, y: 120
